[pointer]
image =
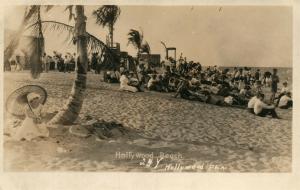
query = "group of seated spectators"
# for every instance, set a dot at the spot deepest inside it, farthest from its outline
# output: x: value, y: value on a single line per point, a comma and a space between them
x: 238, y: 87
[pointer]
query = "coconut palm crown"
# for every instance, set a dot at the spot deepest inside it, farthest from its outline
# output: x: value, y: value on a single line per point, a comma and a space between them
x: 107, y: 15
x: 136, y: 39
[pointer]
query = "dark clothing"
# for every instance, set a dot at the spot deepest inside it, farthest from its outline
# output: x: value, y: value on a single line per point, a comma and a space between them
x: 275, y: 80
x: 257, y: 75
x: 61, y: 65
x: 266, y: 112
x: 288, y: 105
x: 251, y: 110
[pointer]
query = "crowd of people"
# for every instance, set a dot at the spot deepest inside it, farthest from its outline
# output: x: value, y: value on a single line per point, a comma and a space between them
x: 239, y: 87
x: 57, y: 61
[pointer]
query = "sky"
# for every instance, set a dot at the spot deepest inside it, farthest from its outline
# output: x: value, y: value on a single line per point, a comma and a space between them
x: 212, y: 35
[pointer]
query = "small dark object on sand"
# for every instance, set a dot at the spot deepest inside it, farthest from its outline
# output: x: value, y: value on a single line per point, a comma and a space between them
x: 103, y: 129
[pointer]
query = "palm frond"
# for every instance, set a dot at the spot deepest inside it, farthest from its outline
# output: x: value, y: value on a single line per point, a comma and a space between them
x: 107, y: 15
x: 135, y: 38
x: 71, y: 14
x: 52, y: 26
x: 48, y: 7
x: 145, y: 48
x: 94, y: 44
x: 30, y: 11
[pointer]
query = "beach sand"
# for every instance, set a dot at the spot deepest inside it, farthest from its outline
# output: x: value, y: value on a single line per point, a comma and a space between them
x: 198, y: 137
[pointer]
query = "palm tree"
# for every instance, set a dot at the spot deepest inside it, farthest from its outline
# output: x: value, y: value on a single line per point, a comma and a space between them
x: 36, y: 63
x: 31, y: 14
x: 69, y: 113
x: 107, y: 15
x: 136, y: 39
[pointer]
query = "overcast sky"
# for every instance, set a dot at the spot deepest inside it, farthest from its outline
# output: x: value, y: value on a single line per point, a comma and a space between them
x: 227, y: 36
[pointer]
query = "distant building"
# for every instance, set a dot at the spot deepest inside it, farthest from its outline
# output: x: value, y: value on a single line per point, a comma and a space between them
x: 151, y: 59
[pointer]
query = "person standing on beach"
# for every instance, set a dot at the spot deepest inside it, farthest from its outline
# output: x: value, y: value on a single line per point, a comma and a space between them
x: 44, y: 62
x: 257, y: 75
x: 275, y: 81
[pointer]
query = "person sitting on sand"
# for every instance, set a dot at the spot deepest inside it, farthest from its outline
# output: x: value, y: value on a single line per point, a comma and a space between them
x: 223, y: 90
x: 262, y: 109
x: 183, y: 90
x: 32, y: 126
x: 161, y: 84
x: 124, y: 83
x: 251, y: 103
x: 186, y: 93
x: 215, y: 88
x: 257, y: 88
x: 172, y: 85
x: 284, y: 88
x: 151, y: 85
x: 246, y: 92
x: 113, y: 76
x: 194, y: 80
x: 283, y: 92
x: 286, y: 101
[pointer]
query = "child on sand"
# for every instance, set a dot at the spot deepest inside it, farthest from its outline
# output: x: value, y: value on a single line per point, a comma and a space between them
x: 32, y: 126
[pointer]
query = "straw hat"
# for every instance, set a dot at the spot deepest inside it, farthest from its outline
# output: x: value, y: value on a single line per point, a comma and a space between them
x: 19, y: 98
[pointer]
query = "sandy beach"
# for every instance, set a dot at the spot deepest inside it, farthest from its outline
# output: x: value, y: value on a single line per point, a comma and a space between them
x: 171, y: 134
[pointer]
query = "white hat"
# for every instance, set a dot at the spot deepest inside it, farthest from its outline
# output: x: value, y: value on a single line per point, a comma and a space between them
x: 32, y: 96
x: 20, y: 97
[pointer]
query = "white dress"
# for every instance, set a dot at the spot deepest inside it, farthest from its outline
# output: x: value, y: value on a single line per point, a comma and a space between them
x: 30, y: 129
x: 124, y: 85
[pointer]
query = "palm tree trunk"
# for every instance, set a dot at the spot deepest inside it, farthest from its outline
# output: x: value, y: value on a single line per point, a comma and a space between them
x: 111, y: 32
x: 40, y: 35
x: 71, y: 110
x: 40, y: 38
x: 136, y: 65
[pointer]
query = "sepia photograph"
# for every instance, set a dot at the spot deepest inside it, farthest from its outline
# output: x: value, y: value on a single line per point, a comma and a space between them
x: 148, y: 88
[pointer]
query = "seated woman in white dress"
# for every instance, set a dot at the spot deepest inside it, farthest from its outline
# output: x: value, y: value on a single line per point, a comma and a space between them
x: 124, y: 83
x: 32, y: 126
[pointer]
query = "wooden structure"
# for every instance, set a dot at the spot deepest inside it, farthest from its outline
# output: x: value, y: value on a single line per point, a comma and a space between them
x: 171, y: 49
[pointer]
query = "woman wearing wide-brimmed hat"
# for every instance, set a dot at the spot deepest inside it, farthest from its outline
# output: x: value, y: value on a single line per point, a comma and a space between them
x: 28, y: 101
